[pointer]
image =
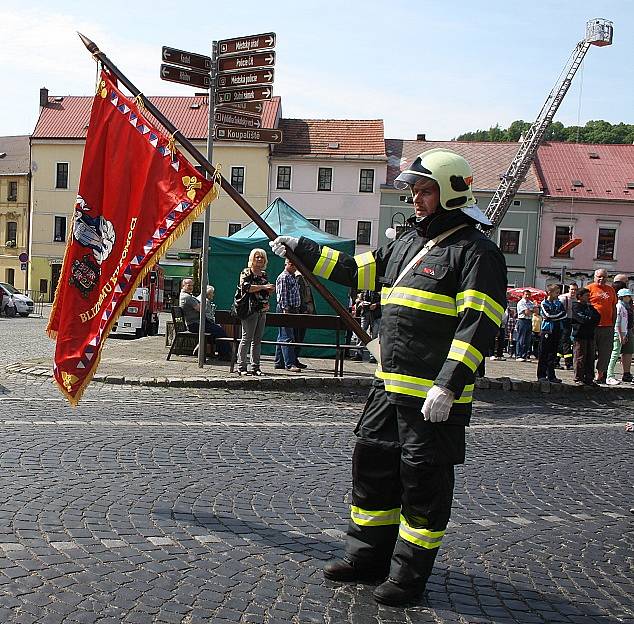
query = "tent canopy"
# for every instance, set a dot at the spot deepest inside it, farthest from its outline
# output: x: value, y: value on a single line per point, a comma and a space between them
x: 228, y: 255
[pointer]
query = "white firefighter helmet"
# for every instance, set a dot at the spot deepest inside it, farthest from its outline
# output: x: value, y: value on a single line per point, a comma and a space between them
x: 453, y: 175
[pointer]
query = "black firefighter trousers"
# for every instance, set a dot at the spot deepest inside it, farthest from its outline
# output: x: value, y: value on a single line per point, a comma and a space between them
x: 402, y: 489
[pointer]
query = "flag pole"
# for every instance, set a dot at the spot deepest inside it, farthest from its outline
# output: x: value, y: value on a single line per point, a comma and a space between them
x: 188, y: 146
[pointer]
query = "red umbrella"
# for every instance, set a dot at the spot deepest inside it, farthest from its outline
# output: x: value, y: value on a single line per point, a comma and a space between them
x: 515, y: 294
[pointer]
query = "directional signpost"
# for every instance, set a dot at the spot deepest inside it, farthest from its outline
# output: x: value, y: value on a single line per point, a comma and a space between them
x: 246, y: 44
x: 239, y: 76
x: 245, y: 79
x: 226, y: 133
x: 246, y: 61
x: 185, y: 76
x: 186, y: 59
x: 227, y: 117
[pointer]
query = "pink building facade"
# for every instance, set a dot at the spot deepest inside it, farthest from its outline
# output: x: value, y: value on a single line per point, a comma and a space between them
x: 588, y: 195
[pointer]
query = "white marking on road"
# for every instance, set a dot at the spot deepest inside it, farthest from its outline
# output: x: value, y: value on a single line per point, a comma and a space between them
x: 520, y: 521
x: 582, y: 516
x: 208, y: 539
x: 161, y: 541
x: 336, y: 533
x: 114, y: 543
x: 64, y: 545
x: 485, y: 523
x: 552, y: 518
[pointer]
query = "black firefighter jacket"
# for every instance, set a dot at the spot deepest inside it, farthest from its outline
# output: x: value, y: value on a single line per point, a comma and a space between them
x: 440, y: 319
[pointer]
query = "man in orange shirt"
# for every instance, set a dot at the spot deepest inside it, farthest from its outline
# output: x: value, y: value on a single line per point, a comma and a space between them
x: 603, y: 300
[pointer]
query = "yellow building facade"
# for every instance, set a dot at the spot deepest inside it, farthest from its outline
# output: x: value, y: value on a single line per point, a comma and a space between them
x: 14, y: 209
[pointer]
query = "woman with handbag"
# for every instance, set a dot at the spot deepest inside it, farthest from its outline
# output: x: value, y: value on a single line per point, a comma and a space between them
x: 252, y: 296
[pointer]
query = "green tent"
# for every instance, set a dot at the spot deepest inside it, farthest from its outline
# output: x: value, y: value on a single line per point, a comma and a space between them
x: 228, y: 255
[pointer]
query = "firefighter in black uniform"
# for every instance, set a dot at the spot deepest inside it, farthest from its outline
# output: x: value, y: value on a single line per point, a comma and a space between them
x: 439, y: 316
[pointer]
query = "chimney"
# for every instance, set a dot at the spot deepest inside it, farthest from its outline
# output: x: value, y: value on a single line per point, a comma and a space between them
x: 43, y: 97
x: 420, y: 137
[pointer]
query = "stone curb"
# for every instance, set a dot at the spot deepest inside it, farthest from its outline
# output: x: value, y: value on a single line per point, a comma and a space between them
x: 504, y: 384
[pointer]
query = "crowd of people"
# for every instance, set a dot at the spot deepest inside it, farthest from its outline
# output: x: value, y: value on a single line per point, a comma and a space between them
x: 587, y: 330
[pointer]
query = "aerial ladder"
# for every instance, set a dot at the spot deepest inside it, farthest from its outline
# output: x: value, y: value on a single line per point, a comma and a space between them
x: 598, y: 32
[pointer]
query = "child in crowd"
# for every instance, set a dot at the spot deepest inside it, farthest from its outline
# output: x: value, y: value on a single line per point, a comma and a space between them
x: 553, y: 313
x: 584, y: 320
x: 536, y: 322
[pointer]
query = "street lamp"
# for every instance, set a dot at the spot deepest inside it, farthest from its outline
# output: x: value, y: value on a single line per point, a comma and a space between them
x: 392, y: 231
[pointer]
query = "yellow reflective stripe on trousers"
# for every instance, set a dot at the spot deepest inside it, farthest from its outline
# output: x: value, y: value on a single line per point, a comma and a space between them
x: 420, y: 537
x: 363, y: 517
x: 419, y: 299
x: 464, y: 352
x: 326, y: 262
x: 417, y: 386
x: 366, y: 273
x: 480, y: 302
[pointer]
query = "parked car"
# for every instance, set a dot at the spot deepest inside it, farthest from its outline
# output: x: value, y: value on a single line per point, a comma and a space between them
x: 23, y: 305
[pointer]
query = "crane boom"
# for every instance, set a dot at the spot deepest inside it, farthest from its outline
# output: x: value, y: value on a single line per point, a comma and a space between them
x: 598, y: 32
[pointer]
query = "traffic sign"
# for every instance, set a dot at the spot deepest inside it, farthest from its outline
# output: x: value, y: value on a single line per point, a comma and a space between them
x: 241, y: 107
x: 186, y: 59
x: 246, y: 44
x: 245, y: 79
x: 246, y: 61
x: 23, y: 257
x: 185, y: 76
x: 23, y: 266
x: 243, y: 95
x: 224, y: 133
x: 229, y: 118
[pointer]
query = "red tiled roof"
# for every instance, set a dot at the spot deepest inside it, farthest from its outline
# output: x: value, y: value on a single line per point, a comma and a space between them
x: 488, y: 160
x: 68, y: 118
x: 346, y: 137
x: 605, y: 176
x: 16, y: 159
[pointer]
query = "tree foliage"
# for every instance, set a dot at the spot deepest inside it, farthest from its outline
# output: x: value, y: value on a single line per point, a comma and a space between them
x: 598, y: 131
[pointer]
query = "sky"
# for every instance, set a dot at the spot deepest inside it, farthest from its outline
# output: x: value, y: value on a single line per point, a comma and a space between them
x: 423, y: 66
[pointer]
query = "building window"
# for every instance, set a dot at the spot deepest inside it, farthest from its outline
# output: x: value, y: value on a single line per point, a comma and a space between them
x: 59, y: 234
x: 43, y: 286
x: 562, y: 235
x: 10, y: 276
x: 234, y: 227
x: 364, y: 228
x: 61, y: 178
x: 284, y: 178
x: 237, y: 179
x: 605, y: 244
x: 12, y: 232
x: 517, y: 202
x: 315, y: 222
x: 197, y: 233
x: 324, y: 179
x: 13, y: 191
x: 331, y: 226
x: 510, y: 241
x: 366, y: 181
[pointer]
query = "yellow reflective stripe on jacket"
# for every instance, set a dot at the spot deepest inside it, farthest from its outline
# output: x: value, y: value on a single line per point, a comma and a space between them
x: 363, y: 517
x: 366, y: 274
x: 326, y: 263
x: 419, y: 299
x: 417, y: 386
x: 464, y: 352
x: 480, y: 302
x: 420, y: 537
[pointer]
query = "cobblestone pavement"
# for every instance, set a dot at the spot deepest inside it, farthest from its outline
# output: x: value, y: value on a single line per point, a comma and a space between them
x: 156, y: 504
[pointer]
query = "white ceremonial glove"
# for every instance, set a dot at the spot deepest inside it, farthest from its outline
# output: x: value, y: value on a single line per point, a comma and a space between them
x: 277, y: 245
x: 437, y: 404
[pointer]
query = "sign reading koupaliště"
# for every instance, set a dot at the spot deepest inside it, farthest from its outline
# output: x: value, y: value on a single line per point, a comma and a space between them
x: 224, y: 133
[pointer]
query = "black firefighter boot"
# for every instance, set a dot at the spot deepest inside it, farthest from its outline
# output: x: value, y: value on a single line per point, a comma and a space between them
x: 410, y: 569
x: 345, y: 571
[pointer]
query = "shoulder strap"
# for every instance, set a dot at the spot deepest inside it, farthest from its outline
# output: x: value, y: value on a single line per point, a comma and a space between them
x: 423, y: 252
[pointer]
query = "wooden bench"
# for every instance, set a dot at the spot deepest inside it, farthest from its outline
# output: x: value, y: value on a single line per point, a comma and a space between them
x: 184, y: 342
x: 233, y: 327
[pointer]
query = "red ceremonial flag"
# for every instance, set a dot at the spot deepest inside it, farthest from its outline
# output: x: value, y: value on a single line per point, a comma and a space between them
x: 137, y: 194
